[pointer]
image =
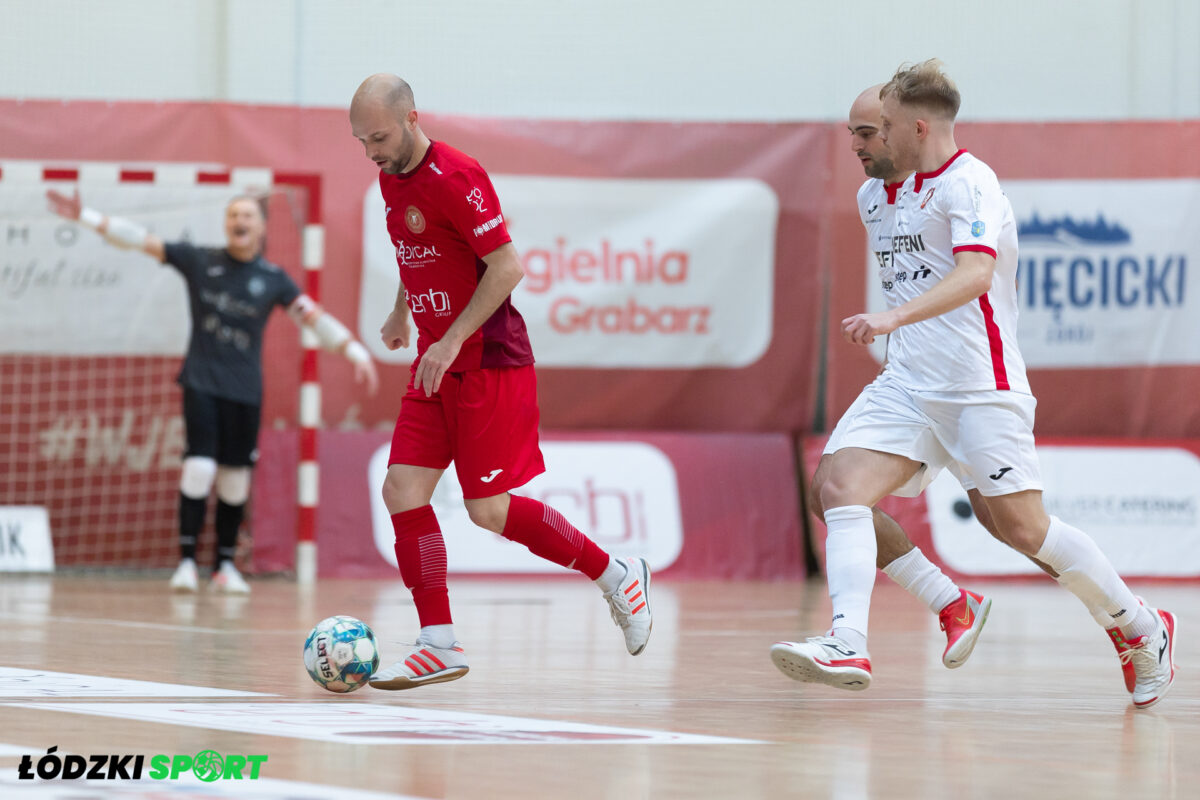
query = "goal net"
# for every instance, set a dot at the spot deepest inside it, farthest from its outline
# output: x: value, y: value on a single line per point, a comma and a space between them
x: 91, y: 340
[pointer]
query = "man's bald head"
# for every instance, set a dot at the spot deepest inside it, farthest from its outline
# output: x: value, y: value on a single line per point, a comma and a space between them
x: 383, y: 90
x: 384, y: 118
x: 868, y: 103
x: 864, y: 124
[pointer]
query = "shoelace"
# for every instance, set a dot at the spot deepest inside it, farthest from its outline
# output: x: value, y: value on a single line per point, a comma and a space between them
x: 618, y: 608
x: 1142, y: 656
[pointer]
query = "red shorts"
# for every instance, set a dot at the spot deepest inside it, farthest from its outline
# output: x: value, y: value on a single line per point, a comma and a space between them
x: 484, y: 420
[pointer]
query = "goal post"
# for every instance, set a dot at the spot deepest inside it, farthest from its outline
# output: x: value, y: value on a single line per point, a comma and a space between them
x: 92, y: 337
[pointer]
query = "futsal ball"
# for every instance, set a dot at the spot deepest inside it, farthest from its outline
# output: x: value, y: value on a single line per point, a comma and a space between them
x: 340, y: 653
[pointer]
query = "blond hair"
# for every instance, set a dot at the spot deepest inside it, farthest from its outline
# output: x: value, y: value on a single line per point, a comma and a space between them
x: 924, y: 85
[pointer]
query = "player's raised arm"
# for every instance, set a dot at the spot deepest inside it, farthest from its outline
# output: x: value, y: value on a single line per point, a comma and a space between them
x: 117, y: 231
x: 336, y: 338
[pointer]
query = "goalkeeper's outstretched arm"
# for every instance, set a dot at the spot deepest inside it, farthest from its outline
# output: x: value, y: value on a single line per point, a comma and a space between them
x: 117, y: 231
x: 336, y: 338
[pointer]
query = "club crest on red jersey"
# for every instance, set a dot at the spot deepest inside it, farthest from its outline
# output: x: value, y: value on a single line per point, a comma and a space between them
x: 414, y: 219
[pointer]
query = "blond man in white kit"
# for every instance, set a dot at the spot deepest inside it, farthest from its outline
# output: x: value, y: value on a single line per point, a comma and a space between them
x: 954, y: 392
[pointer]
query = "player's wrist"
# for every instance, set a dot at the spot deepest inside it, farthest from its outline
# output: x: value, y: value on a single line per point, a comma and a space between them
x: 356, y: 353
x: 92, y: 218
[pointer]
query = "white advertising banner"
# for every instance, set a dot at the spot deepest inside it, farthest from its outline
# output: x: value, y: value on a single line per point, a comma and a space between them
x: 1103, y: 275
x: 623, y: 495
x: 25, y: 543
x: 1140, y: 504
x: 63, y: 290
x: 620, y: 273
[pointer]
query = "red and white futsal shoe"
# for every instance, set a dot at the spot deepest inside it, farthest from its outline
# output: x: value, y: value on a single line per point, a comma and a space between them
x: 823, y: 659
x: 629, y: 604
x: 962, y: 621
x: 1153, y: 659
x: 424, y: 664
x: 1122, y: 644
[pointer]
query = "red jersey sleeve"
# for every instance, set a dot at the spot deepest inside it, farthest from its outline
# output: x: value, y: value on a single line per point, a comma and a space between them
x: 474, y: 209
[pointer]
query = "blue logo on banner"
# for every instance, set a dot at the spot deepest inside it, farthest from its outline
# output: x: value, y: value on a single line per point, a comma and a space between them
x: 1066, y: 230
x: 1085, y: 266
x: 977, y: 228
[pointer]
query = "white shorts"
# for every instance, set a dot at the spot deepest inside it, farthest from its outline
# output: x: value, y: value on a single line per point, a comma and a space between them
x: 985, y: 438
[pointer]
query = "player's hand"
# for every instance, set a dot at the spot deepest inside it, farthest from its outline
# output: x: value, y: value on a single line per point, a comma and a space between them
x: 395, y: 331
x: 863, y: 328
x: 365, y: 372
x: 64, y: 206
x: 433, y: 365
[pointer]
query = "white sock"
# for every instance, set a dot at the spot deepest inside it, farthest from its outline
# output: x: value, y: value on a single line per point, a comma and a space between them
x: 440, y: 636
x: 850, y: 566
x: 918, y: 576
x: 612, y: 576
x: 1087, y: 573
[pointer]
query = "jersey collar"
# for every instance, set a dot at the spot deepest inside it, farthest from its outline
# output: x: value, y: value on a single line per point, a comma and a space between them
x: 921, y: 177
x: 424, y: 160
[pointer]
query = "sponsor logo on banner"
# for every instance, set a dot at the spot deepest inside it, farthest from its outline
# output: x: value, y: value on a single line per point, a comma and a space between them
x: 1102, y: 277
x: 622, y: 495
x: 1140, y: 504
x: 1103, y: 274
x: 25, y: 542
x: 623, y: 273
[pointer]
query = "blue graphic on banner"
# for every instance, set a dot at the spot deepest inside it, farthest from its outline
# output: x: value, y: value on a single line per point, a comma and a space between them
x: 1102, y: 277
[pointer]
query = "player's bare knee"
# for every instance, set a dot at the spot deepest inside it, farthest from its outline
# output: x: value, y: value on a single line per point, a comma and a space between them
x: 400, y: 494
x: 488, y: 513
x: 814, y: 498
x: 1022, y: 536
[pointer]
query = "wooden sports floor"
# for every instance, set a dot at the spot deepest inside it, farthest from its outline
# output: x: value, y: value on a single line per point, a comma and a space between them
x: 554, y: 707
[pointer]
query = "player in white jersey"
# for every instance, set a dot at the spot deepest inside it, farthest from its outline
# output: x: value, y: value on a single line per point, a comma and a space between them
x: 961, y: 613
x: 954, y: 391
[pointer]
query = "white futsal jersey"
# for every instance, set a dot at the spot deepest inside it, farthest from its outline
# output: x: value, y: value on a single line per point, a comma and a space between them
x: 932, y: 216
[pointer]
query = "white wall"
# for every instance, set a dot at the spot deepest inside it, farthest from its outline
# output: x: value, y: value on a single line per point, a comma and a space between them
x: 613, y: 59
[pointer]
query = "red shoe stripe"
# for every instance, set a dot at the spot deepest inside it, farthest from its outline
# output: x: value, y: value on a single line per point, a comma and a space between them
x: 418, y: 666
x: 635, y: 597
x: 860, y: 663
x: 433, y: 658
x: 639, y: 608
x: 632, y: 586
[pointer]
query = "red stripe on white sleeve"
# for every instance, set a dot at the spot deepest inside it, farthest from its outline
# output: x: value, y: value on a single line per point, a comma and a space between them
x: 995, y: 343
x: 975, y: 248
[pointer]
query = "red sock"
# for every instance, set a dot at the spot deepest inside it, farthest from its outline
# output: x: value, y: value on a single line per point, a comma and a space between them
x: 548, y: 534
x: 421, y: 553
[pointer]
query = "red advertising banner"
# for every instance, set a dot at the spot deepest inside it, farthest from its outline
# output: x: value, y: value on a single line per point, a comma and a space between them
x: 704, y: 506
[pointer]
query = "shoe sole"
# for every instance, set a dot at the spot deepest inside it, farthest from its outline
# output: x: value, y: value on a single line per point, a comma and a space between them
x: 1171, y: 655
x: 184, y: 589
x: 958, y: 655
x: 802, y: 668
x: 405, y: 682
x: 646, y: 596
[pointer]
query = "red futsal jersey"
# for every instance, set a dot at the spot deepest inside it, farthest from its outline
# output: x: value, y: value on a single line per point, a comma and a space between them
x: 443, y: 217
